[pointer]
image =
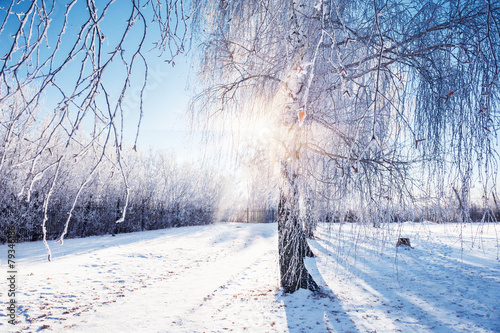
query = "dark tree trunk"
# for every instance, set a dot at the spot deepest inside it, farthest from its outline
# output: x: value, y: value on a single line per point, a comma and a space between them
x: 292, y: 241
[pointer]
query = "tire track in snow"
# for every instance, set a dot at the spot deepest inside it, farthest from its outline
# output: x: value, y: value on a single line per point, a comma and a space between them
x: 247, y: 294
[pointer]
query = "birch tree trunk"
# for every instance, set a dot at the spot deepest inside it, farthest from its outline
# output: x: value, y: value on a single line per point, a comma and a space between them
x: 292, y: 241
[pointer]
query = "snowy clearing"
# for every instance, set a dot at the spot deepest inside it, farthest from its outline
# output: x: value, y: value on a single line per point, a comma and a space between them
x: 225, y: 278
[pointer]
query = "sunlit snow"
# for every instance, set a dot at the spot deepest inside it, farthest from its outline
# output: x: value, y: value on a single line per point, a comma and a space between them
x: 225, y: 277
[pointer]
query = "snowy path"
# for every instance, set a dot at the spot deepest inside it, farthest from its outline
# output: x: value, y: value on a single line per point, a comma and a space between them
x: 198, y: 280
x: 225, y: 278
x: 175, y: 280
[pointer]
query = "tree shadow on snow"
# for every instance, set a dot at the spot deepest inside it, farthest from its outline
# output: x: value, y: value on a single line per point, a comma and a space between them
x: 428, y: 293
x: 308, y: 311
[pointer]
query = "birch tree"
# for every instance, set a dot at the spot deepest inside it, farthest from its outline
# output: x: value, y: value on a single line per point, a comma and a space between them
x: 373, y: 87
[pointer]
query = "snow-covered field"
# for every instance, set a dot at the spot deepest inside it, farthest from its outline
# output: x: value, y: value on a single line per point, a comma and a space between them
x: 225, y: 278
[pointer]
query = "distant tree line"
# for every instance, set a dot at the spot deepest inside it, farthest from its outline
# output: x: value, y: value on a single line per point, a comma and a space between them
x: 431, y: 213
x: 163, y: 194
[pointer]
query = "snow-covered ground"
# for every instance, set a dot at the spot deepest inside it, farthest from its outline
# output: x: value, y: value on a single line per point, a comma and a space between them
x: 225, y: 278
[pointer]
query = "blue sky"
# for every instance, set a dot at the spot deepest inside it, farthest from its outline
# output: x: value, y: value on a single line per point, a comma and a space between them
x: 164, y: 124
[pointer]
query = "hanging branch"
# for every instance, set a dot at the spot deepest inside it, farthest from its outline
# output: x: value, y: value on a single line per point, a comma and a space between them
x: 60, y: 61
